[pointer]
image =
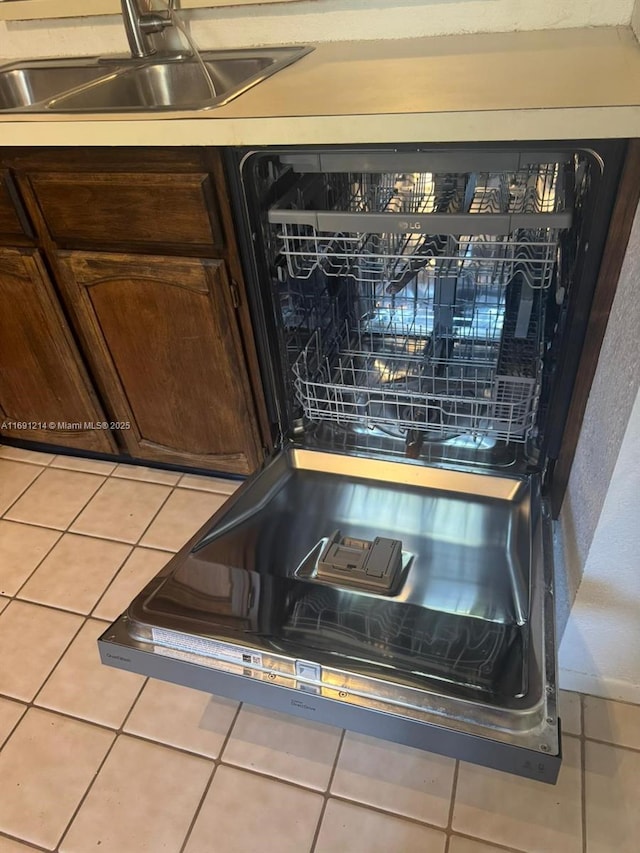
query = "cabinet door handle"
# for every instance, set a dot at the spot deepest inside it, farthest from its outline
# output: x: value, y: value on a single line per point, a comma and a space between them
x: 235, y: 294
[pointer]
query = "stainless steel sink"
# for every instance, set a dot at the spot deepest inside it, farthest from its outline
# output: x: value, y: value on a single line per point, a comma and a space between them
x: 125, y: 85
x: 25, y: 85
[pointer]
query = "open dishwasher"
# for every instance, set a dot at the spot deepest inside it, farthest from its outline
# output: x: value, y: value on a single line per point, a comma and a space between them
x: 389, y: 569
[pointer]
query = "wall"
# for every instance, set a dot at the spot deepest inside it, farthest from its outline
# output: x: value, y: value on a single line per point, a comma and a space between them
x: 320, y: 20
x: 600, y: 651
x: 600, y: 518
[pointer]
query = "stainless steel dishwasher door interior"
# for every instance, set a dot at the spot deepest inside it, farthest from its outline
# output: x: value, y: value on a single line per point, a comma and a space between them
x: 460, y: 614
x: 462, y: 638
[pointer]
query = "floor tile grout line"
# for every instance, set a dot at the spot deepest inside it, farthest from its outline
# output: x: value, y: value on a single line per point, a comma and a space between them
x: 155, y: 515
x: 133, y: 546
x: 84, y: 617
x: 172, y: 489
x: 198, y: 808
x: 372, y: 808
x: 263, y: 774
x: 161, y: 507
x: 76, y: 470
x: 608, y: 699
x: 58, y: 608
x: 106, y: 476
x: 180, y: 474
x: 17, y: 595
x: 327, y: 793
x: 15, y: 725
x: 32, y: 706
x: 26, y: 461
x: 116, y: 734
x: 320, y: 821
x: 68, y: 531
x: 32, y: 703
x: 120, y: 730
x: 454, y: 787
x: 115, y: 577
x: 30, y: 844
x: 116, y: 479
x: 85, y: 620
x: 41, y: 561
x: 635, y: 749
x: 503, y: 848
x: 26, y: 488
x: 216, y: 763
x: 88, y: 789
x: 336, y: 761
x: 6, y: 458
x: 75, y: 517
x: 146, y: 479
x: 182, y: 749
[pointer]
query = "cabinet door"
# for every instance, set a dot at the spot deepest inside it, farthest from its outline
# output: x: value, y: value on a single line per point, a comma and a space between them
x: 15, y: 227
x: 45, y: 394
x: 161, y: 336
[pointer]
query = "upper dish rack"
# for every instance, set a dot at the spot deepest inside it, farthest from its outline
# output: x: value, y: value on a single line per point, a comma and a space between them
x: 376, y: 226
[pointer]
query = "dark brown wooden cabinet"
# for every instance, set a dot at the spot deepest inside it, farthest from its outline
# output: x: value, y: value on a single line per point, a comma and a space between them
x: 161, y: 337
x: 146, y: 298
x: 45, y: 394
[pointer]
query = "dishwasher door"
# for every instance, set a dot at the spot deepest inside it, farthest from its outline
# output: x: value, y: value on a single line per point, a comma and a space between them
x: 391, y: 598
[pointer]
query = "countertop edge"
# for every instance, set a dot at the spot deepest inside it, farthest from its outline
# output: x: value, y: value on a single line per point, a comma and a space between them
x: 480, y: 126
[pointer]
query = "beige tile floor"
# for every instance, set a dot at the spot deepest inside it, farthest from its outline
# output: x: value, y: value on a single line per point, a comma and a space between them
x: 93, y: 759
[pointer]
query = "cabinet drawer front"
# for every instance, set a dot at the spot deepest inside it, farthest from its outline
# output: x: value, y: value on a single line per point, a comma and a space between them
x: 129, y: 209
x: 14, y: 224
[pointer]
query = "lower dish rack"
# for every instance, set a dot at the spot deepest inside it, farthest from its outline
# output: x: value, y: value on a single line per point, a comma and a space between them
x: 392, y: 383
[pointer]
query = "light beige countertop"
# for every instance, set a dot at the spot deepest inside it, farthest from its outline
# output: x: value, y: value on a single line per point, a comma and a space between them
x: 578, y: 84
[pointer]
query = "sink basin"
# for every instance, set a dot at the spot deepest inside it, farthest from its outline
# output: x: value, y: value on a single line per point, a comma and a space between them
x: 24, y: 86
x: 171, y: 85
x: 155, y: 84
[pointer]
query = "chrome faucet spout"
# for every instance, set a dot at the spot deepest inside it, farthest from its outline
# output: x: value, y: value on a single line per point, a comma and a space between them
x: 140, y: 26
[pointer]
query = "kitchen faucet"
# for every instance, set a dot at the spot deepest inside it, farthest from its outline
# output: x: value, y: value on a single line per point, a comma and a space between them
x: 140, y: 26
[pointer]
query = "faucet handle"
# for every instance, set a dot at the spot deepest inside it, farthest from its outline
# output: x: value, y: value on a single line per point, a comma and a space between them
x: 152, y: 22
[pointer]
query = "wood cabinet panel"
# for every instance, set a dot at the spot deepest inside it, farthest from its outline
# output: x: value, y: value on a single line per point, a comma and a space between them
x: 162, y: 340
x: 41, y: 378
x: 14, y: 224
x: 128, y: 208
